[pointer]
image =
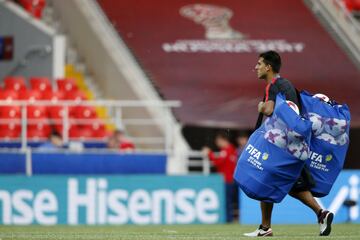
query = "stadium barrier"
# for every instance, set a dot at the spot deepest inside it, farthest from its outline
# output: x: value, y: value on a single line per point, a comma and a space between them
x: 91, y: 162
x: 105, y: 200
x: 290, y: 211
x: 198, y: 162
x: 159, y: 143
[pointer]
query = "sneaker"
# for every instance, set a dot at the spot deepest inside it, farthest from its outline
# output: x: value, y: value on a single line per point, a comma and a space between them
x: 325, y: 219
x: 260, y: 233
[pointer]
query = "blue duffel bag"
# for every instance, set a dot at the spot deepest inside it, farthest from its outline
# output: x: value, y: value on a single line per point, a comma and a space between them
x: 275, y: 154
x: 329, y: 142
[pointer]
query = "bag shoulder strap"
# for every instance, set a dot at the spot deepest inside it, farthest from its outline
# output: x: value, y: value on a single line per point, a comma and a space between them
x: 259, y: 119
x: 299, y: 99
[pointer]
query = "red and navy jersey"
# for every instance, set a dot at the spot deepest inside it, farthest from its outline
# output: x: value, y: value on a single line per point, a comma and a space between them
x: 284, y: 86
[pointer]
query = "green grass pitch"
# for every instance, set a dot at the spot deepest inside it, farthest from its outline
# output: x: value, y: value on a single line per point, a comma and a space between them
x: 172, y: 232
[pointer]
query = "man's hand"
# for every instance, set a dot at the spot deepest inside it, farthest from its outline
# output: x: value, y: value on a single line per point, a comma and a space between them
x: 260, y: 106
x: 267, y: 107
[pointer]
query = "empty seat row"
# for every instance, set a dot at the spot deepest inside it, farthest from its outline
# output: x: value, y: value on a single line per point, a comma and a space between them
x: 42, y: 130
x: 32, y: 95
x: 41, y: 84
x: 53, y: 112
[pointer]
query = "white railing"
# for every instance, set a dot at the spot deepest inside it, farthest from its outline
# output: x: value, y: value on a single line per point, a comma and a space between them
x: 199, y: 160
x: 118, y: 118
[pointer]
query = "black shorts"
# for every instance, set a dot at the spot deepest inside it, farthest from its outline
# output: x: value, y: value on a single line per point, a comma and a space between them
x: 304, y: 183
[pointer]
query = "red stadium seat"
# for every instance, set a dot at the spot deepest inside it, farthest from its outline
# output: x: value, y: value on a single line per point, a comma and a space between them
x: 29, y: 95
x: 14, y: 83
x: 10, y: 131
x: 75, y: 95
x: 41, y: 84
x: 96, y: 127
x: 83, y: 112
x: 39, y: 130
x: 56, y: 112
x: 34, y: 7
x: 36, y: 135
x: 99, y: 130
x: 52, y: 96
x: 53, y: 110
x: 10, y: 112
x: 66, y: 85
x: 8, y: 95
x: 36, y: 112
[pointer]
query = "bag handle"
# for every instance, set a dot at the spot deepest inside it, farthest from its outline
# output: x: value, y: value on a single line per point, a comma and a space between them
x: 259, y: 119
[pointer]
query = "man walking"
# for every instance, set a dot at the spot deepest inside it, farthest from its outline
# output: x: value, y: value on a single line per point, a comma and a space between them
x: 267, y: 69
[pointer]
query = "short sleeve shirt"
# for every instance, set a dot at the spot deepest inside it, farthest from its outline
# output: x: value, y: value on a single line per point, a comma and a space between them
x: 284, y: 86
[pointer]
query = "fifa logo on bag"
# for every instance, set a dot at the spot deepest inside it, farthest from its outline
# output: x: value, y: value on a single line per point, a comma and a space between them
x: 319, y: 158
x: 215, y: 20
x: 256, y: 153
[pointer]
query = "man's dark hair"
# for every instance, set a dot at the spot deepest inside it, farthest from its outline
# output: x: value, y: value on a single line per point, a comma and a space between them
x: 273, y: 59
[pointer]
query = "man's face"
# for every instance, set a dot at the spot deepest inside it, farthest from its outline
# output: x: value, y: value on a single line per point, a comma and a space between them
x: 262, y: 69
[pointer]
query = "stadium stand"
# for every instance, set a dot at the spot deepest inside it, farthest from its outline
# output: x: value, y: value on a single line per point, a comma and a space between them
x: 84, y: 121
x: 34, y: 105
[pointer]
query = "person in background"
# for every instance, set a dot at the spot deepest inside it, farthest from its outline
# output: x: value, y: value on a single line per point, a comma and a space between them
x: 54, y: 143
x: 225, y: 162
x: 118, y: 140
x: 241, y: 140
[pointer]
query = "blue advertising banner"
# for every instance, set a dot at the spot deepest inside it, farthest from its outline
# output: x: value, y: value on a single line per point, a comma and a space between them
x: 84, y: 163
x: 291, y: 211
x: 49, y: 200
